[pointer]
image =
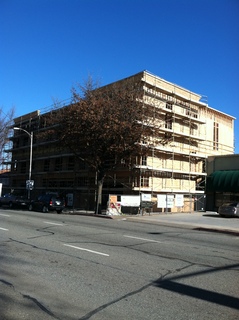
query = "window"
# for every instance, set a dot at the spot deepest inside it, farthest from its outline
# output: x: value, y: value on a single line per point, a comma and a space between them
x: 135, y: 182
x: 191, y: 112
x: 169, y: 106
x: 71, y: 163
x: 168, y: 121
x: 191, y: 131
x: 82, y: 181
x: 144, y: 161
x: 215, y: 135
x: 144, y: 182
x: 53, y: 183
x: 144, y: 141
x: 58, y: 164
x: 44, y: 183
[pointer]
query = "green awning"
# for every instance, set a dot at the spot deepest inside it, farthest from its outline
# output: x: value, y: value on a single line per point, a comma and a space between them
x: 223, y: 181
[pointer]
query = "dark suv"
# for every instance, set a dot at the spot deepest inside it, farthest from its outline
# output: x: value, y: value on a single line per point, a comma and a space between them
x: 48, y: 202
x: 14, y: 200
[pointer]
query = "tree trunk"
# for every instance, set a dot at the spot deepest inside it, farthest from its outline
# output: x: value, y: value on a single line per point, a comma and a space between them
x: 100, y: 181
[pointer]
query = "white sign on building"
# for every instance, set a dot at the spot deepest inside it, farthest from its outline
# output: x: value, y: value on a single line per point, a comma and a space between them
x: 146, y: 197
x: 161, y: 201
x: 165, y: 201
x: 130, y: 201
x: 179, y: 200
x: 170, y: 201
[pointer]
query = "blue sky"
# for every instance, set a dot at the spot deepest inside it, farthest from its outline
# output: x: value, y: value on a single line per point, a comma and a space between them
x: 47, y: 46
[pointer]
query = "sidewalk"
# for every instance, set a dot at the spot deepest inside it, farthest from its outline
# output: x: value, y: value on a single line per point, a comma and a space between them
x: 210, y: 221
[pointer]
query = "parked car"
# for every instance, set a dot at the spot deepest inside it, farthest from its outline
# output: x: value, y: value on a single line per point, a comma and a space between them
x: 229, y: 210
x: 48, y: 202
x: 14, y: 200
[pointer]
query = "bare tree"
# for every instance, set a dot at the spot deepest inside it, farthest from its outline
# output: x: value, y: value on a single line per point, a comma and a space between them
x: 5, y: 123
x: 104, y: 126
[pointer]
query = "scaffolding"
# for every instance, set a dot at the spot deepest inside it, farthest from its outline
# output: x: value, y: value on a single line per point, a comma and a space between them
x: 177, y: 164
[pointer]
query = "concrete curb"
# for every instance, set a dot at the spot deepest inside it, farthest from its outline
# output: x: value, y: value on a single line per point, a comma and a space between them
x: 197, y: 226
x: 168, y: 220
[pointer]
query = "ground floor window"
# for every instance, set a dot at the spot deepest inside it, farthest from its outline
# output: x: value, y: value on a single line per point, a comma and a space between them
x: 225, y: 197
x: 144, y: 182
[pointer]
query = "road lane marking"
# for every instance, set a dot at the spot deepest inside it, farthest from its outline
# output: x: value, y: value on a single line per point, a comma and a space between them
x: 3, y: 229
x: 84, y: 249
x: 54, y: 223
x: 149, y: 240
x: 4, y: 215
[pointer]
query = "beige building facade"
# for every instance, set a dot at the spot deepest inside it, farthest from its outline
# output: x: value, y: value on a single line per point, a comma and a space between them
x: 188, y: 131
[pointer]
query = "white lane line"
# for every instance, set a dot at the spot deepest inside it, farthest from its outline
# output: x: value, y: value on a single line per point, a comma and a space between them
x: 4, y: 215
x: 3, y: 229
x: 54, y: 223
x: 83, y: 249
x: 142, y: 239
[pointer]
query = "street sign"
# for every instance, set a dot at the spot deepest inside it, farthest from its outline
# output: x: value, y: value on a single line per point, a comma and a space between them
x: 29, y: 184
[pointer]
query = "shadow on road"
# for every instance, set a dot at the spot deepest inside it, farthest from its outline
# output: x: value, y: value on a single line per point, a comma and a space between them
x: 198, y: 293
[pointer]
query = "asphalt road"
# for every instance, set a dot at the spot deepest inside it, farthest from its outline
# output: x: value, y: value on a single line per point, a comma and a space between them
x: 77, y: 267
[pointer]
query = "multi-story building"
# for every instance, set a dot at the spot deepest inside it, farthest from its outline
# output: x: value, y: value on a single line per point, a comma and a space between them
x: 188, y: 131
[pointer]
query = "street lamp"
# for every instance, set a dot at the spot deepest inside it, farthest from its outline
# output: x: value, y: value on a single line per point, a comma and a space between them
x: 30, y: 163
